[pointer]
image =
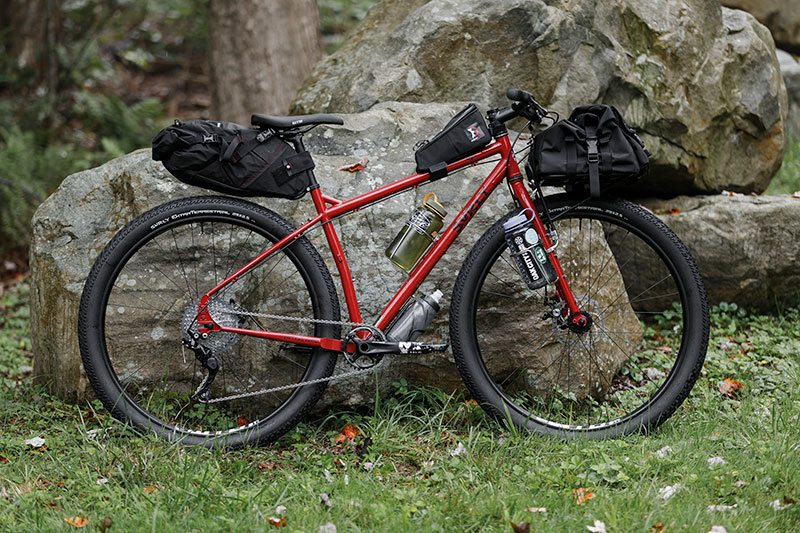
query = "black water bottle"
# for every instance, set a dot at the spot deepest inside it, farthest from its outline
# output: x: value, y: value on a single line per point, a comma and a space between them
x: 528, y: 251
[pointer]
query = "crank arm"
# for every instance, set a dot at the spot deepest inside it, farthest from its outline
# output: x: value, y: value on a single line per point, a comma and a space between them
x: 367, y: 347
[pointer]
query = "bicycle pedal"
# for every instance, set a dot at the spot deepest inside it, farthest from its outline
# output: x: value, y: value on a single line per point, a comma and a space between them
x: 421, y: 347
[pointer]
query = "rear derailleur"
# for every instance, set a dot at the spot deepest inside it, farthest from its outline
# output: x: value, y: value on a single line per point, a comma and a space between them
x: 209, y: 362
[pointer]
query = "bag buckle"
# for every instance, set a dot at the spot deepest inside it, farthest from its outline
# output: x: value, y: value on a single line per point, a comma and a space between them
x: 593, y: 155
x: 263, y: 136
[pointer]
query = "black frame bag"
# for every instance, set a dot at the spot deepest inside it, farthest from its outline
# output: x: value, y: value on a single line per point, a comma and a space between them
x: 233, y: 159
x: 465, y: 134
x: 594, y: 144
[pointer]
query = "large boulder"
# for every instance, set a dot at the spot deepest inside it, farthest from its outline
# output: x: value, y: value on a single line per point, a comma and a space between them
x: 790, y: 70
x: 746, y: 247
x: 782, y: 17
x: 71, y: 227
x: 701, y: 83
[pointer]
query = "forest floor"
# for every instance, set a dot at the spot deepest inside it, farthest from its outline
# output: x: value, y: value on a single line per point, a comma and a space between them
x: 422, y: 460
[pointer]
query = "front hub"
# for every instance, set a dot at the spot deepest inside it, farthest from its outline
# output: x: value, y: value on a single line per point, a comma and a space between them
x: 580, y: 322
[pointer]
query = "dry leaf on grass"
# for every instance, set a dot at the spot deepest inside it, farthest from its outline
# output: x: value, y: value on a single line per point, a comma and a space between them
x: 581, y: 495
x: 669, y: 491
x: 349, y: 432
x: 730, y: 386
x: 658, y: 527
x: 276, y: 522
x: 598, y: 527
x: 76, y: 521
x: 35, y: 442
x: 536, y: 509
x: 715, y: 508
x: 522, y: 527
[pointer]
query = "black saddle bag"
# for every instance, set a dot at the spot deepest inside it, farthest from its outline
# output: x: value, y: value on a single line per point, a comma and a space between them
x: 465, y: 134
x: 233, y: 159
x: 594, y: 145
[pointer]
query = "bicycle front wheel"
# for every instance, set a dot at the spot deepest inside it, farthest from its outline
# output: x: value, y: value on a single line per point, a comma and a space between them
x: 141, y: 301
x: 629, y: 371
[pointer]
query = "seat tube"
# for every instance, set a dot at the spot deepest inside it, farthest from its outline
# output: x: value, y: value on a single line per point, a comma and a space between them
x: 338, y: 255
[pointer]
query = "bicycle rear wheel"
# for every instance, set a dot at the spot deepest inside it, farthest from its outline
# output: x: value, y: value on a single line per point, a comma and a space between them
x: 636, y: 363
x: 141, y: 300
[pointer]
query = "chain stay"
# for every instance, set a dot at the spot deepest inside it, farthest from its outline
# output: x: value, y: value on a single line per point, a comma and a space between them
x: 261, y: 392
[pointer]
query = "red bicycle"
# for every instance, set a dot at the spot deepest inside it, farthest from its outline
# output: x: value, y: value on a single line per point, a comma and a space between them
x: 213, y: 321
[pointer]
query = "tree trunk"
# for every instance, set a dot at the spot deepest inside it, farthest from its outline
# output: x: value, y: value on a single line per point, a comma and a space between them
x: 260, y: 52
x: 29, y: 30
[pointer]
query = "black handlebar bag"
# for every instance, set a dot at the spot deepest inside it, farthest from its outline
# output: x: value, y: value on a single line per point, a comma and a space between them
x: 593, y: 145
x: 233, y: 159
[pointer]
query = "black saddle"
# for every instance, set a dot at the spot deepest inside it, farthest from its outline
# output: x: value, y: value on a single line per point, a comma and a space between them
x: 297, y: 121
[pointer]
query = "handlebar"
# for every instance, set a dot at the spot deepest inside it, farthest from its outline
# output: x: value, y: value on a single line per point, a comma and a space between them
x: 525, y: 105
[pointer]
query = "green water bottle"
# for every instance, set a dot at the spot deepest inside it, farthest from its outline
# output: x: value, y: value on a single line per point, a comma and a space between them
x: 417, y: 234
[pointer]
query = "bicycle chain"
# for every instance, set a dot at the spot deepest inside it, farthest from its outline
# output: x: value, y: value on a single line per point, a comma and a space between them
x: 242, y: 312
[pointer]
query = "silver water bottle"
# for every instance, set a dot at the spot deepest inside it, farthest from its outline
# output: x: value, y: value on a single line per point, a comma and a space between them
x: 528, y: 251
x: 415, y: 318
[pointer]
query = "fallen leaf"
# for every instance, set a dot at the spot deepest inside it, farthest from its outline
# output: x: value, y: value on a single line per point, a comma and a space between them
x: 329, y: 527
x: 35, y: 442
x: 267, y: 466
x: 717, y: 529
x: 714, y: 461
x: 729, y: 386
x: 105, y: 524
x: 581, y: 495
x: 669, y: 491
x: 325, y: 499
x: 663, y: 452
x: 277, y: 522
x: 598, y: 527
x: 777, y: 506
x: 76, y: 521
x: 349, y: 432
x: 279, y: 510
x: 522, y: 527
x: 368, y: 465
x: 536, y: 509
x: 674, y: 211
x: 714, y: 508
x: 355, y: 167
x: 242, y: 421
x: 471, y: 403
x: 458, y: 450
x: 658, y: 527
x: 740, y: 483
x: 665, y: 349
x: 3, y: 459
x: 102, y: 481
x: 796, y: 194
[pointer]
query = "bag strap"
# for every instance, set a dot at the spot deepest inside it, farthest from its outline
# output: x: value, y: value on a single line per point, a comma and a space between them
x: 593, y: 156
x: 247, y: 147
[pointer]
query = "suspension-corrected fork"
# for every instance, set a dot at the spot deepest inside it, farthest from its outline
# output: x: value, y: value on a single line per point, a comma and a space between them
x: 576, y: 319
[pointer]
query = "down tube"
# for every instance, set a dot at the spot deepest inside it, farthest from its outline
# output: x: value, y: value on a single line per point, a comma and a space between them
x: 460, y: 222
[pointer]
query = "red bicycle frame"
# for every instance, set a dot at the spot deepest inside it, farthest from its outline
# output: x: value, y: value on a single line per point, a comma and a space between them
x: 329, y: 208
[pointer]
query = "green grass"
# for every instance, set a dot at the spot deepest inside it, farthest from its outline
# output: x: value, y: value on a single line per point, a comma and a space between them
x: 92, y: 466
x: 787, y: 180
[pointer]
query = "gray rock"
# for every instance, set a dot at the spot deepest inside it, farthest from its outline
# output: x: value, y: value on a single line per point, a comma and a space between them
x: 790, y: 70
x: 71, y: 227
x: 746, y: 247
x: 782, y: 17
x: 701, y: 83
